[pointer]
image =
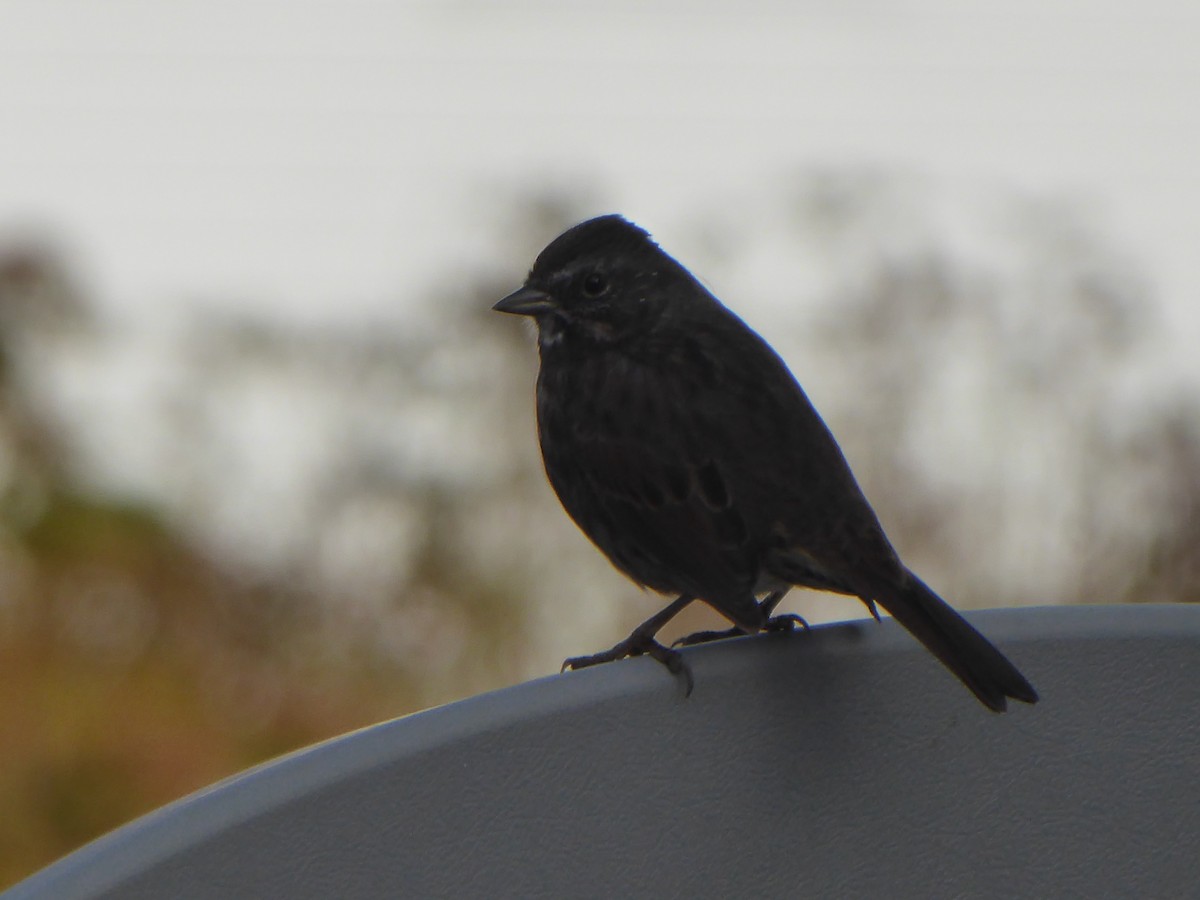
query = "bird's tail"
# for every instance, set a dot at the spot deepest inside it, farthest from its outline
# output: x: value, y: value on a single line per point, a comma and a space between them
x: 962, y: 649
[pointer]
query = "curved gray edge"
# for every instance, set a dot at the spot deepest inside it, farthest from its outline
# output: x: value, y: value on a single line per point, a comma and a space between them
x: 113, y: 858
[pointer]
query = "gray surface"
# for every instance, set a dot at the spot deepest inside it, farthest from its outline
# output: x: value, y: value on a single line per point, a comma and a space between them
x: 841, y: 763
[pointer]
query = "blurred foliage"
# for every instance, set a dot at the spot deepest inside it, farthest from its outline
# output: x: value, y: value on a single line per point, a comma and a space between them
x: 329, y: 527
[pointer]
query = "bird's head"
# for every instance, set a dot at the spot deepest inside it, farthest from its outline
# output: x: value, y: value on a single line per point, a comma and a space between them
x: 596, y: 283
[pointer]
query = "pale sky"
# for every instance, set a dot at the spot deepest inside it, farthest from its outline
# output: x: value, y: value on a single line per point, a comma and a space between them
x: 331, y: 159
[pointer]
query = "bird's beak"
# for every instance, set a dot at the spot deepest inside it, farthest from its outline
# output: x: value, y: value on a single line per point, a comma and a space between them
x: 526, y: 301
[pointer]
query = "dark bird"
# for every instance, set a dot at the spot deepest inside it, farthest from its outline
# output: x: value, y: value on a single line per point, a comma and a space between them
x: 680, y: 443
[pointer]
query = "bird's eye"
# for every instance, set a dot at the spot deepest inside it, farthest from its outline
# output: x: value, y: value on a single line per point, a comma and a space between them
x: 594, y: 284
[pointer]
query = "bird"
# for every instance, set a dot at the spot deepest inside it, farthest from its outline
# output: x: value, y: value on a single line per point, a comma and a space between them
x: 681, y: 444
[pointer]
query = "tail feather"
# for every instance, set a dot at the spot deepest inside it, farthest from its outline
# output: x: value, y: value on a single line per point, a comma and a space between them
x: 962, y: 649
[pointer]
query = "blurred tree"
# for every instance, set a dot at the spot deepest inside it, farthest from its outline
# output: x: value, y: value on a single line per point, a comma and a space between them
x: 995, y: 404
x: 330, y: 526
x: 133, y: 668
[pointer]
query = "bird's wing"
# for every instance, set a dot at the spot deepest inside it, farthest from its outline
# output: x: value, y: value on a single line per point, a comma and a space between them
x: 793, y: 484
x: 655, y: 505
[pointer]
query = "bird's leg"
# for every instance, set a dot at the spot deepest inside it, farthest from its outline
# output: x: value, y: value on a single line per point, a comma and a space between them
x: 641, y: 642
x: 786, y: 622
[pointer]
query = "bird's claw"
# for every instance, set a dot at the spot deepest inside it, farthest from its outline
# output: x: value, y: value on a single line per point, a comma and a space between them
x: 705, y: 637
x: 636, y: 646
x: 674, y: 662
x: 785, y: 622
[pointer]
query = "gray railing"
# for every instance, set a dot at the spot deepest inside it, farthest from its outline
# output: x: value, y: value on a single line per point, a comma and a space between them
x: 840, y: 763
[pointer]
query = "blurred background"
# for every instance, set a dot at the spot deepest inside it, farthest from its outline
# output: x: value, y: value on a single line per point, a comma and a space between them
x: 268, y: 469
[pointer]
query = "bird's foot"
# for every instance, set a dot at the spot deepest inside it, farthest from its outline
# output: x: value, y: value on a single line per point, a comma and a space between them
x: 783, y: 622
x: 705, y: 637
x: 638, y: 645
x: 786, y: 622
